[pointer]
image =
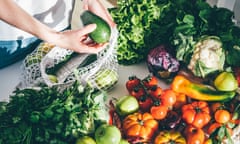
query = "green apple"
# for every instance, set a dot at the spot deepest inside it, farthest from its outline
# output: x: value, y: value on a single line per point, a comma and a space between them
x: 85, y: 140
x: 127, y: 105
x: 107, y: 134
x: 123, y: 141
x: 226, y: 81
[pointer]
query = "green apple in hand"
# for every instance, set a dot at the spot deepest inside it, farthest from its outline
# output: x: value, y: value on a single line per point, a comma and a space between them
x: 107, y: 134
x: 85, y: 140
x: 226, y: 81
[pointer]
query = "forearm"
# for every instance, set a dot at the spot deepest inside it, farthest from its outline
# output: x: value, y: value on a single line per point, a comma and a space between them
x: 11, y: 13
x: 76, y: 40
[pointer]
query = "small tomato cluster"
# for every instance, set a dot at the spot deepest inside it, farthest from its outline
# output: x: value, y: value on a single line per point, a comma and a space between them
x: 151, y: 97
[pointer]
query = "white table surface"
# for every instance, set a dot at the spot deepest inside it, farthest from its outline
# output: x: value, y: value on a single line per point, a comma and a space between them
x: 10, y: 78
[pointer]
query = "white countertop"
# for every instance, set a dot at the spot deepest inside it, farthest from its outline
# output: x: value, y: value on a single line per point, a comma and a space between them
x: 10, y: 78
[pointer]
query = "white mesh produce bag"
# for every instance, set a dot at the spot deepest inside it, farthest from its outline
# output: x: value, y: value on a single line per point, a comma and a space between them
x: 98, y: 70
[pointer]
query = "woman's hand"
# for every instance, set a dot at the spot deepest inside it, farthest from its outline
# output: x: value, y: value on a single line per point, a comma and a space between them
x: 78, y: 40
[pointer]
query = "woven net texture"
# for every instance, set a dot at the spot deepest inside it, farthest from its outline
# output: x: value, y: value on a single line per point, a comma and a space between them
x: 68, y: 66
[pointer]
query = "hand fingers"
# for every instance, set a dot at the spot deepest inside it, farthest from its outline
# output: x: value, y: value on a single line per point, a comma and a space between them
x: 95, y: 48
x: 85, y: 5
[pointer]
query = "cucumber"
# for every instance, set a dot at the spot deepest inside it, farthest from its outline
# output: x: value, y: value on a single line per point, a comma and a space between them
x: 103, y: 31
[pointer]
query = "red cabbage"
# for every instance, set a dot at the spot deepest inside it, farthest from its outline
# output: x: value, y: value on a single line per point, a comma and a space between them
x: 161, y: 63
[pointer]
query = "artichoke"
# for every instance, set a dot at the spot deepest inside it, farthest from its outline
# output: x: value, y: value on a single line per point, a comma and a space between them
x: 208, y: 56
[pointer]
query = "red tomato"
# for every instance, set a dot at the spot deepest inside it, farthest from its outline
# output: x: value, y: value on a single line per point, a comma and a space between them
x: 145, y: 103
x: 194, y: 135
x: 159, y: 112
x: 138, y: 92
x: 222, y: 116
x: 132, y: 82
x: 168, y: 97
x: 150, y: 81
x: 196, y: 113
x: 155, y: 91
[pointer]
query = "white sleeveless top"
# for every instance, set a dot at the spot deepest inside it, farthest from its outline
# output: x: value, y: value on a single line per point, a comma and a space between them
x: 55, y: 13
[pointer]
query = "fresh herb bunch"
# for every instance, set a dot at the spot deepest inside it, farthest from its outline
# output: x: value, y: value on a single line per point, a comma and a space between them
x: 48, y: 116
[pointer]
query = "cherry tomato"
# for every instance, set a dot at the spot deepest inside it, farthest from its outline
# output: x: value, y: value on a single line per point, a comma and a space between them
x: 155, y: 91
x: 222, y: 116
x: 150, y: 81
x: 159, y: 112
x: 138, y: 92
x: 216, y: 106
x: 132, y: 82
x: 168, y: 97
x: 145, y: 103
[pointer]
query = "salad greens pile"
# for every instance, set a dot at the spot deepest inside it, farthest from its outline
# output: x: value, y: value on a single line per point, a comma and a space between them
x: 134, y: 19
x: 47, y: 116
x: 146, y: 24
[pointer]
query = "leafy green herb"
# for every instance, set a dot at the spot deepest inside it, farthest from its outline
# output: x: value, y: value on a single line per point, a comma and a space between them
x: 49, y: 116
